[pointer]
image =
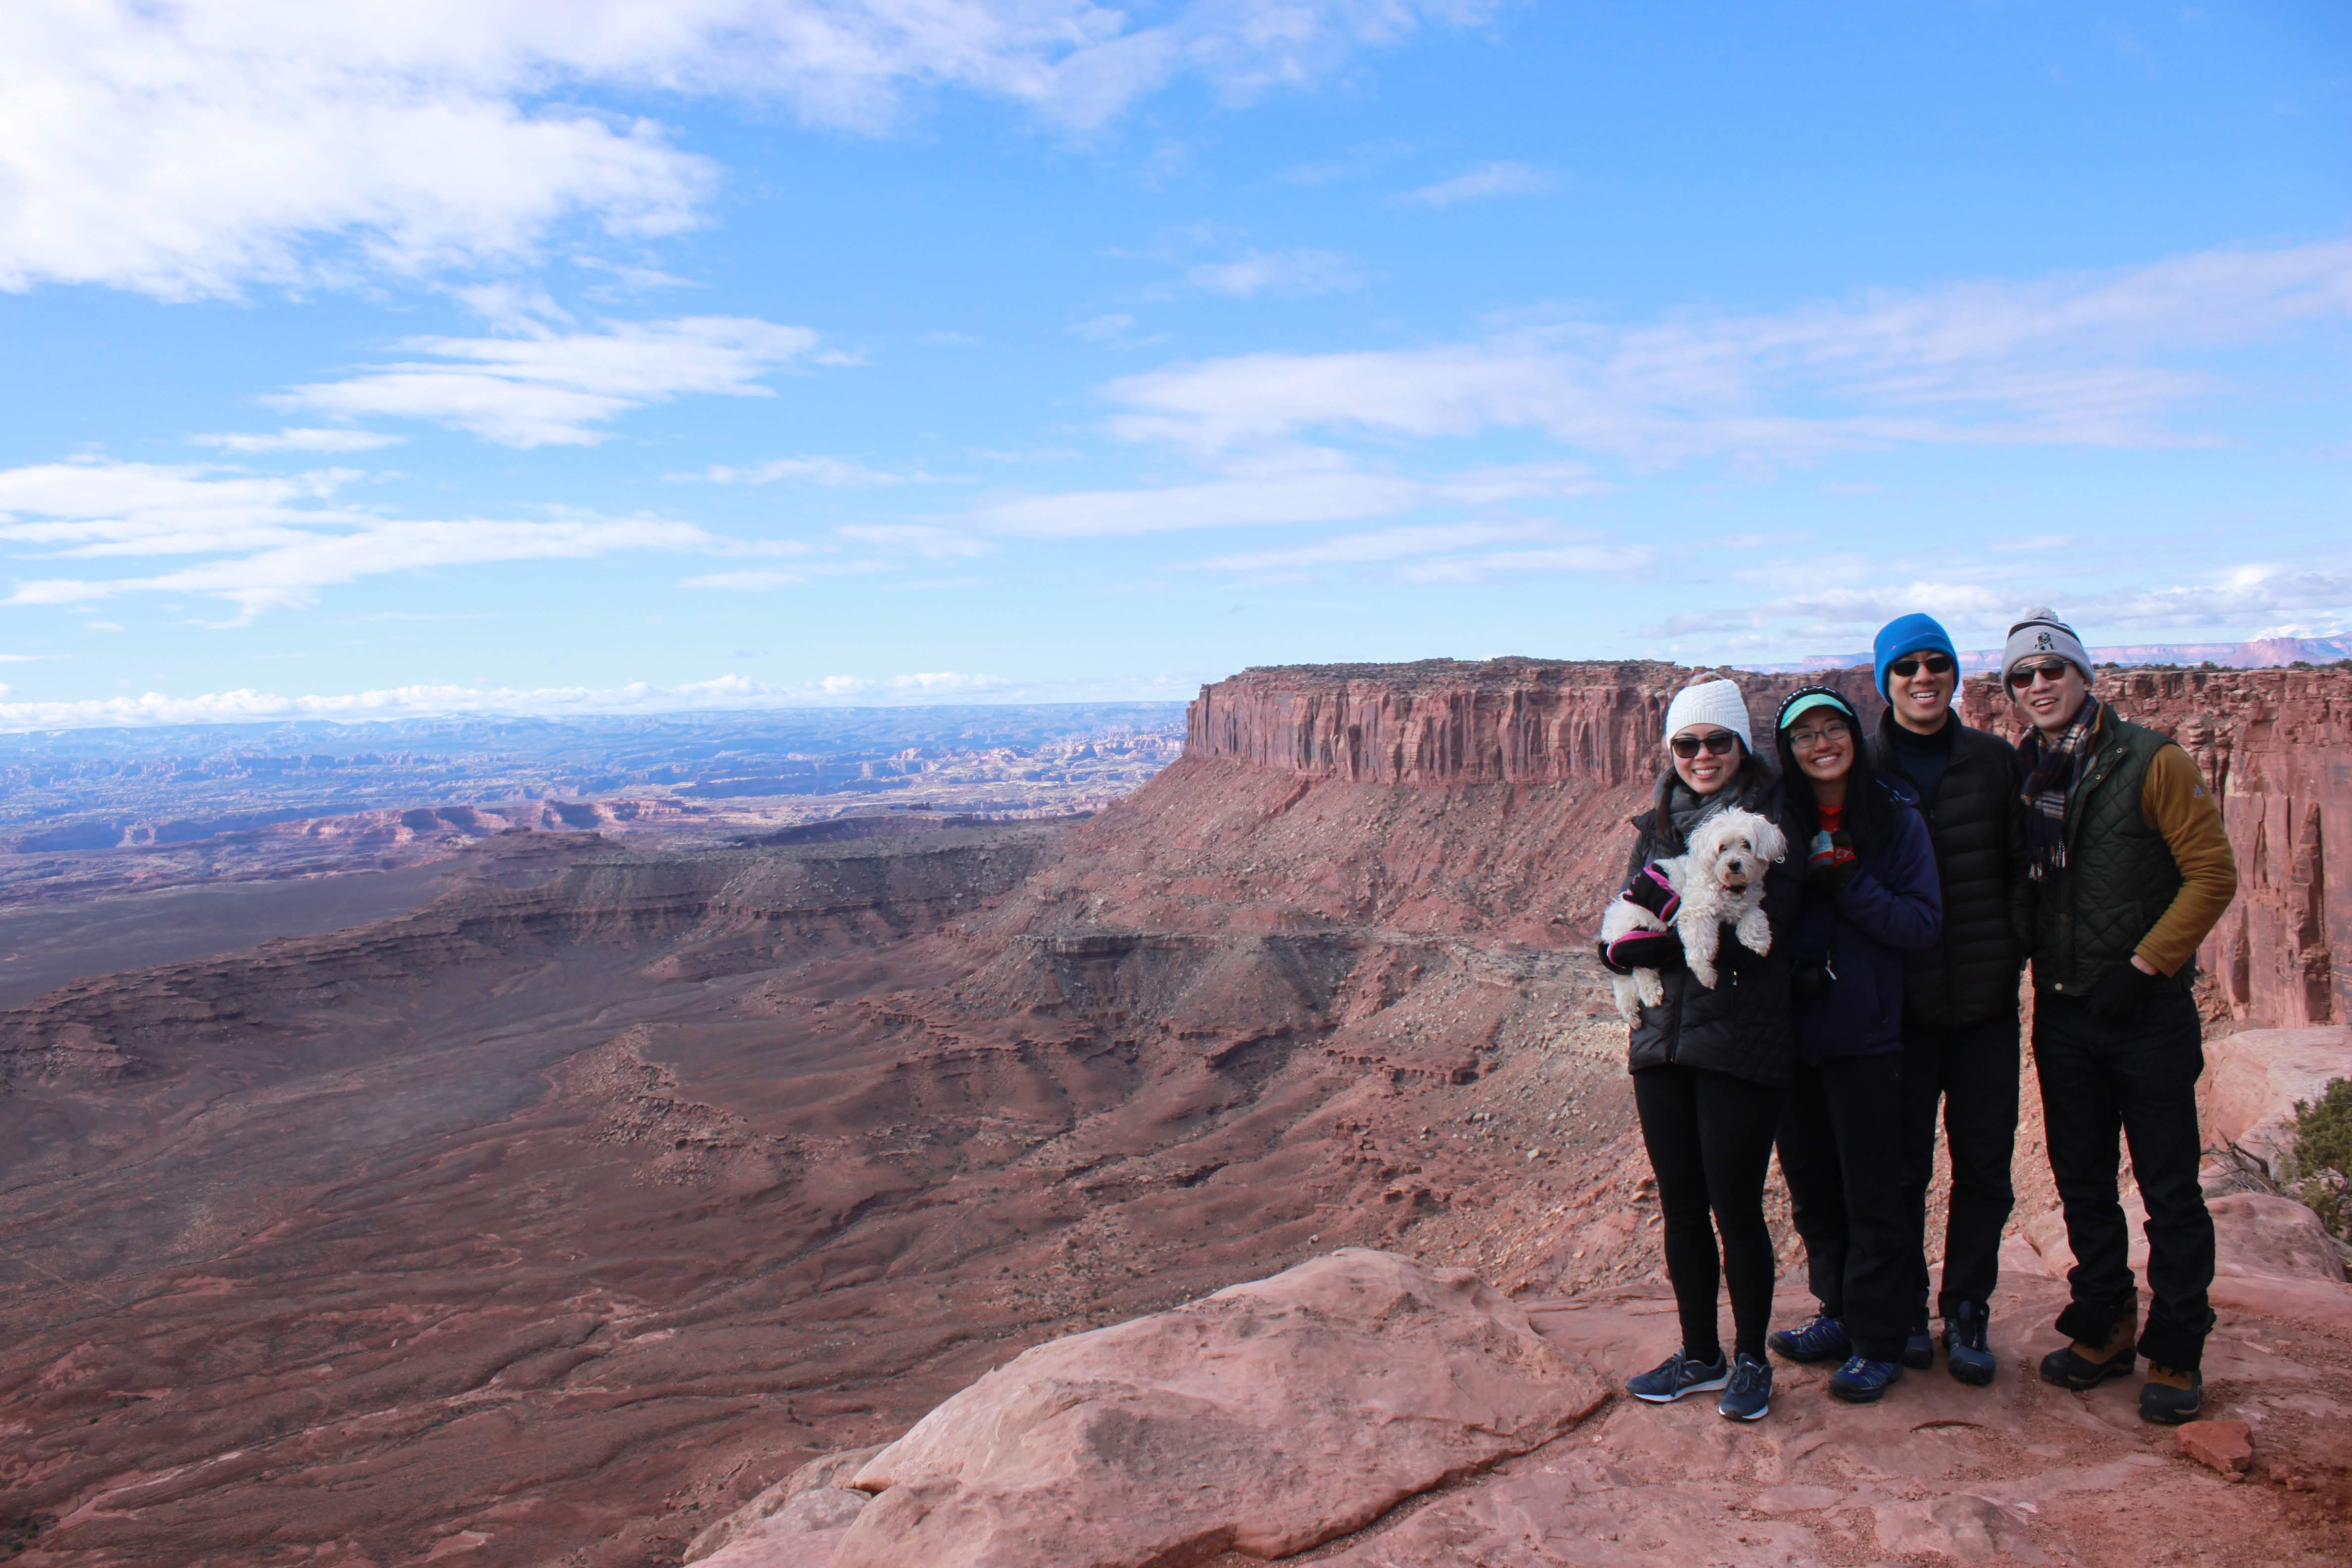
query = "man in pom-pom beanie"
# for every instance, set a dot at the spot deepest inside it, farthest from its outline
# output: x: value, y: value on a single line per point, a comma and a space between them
x: 1959, y: 998
x: 2128, y: 868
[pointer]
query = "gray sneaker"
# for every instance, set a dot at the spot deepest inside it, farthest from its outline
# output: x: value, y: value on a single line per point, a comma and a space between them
x: 1676, y: 1376
x: 1750, y: 1397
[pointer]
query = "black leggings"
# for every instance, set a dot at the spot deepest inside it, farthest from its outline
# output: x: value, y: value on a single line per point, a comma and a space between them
x: 1710, y: 1137
x: 1841, y: 1151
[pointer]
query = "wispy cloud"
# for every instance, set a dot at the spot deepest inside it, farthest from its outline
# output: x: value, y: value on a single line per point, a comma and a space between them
x: 1297, y: 487
x: 1377, y: 546
x: 761, y: 581
x: 303, y: 440
x: 544, y: 388
x: 2080, y: 360
x: 1836, y: 602
x: 276, y: 541
x: 1446, y: 552
x: 1483, y: 184
x: 834, y: 473
x: 921, y: 538
x: 1290, y: 272
x: 727, y: 693
x: 193, y: 149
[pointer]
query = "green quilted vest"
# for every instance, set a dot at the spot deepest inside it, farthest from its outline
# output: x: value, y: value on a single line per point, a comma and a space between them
x: 2119, y: 878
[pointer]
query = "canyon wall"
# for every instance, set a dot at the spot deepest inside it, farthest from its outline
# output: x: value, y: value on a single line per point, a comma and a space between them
x: 2277, y: 746
x: 1441, y: 721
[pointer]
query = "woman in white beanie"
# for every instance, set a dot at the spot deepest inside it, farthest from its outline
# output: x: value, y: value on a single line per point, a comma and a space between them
x: 1710, y: 1066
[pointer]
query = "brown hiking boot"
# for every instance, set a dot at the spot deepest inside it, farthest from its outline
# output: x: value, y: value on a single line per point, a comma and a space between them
x: 2171, y: 1396
x: 2083, y: 1365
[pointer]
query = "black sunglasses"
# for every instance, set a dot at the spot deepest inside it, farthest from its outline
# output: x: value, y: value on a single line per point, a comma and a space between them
x: 2049, y: 670
x: 1935, y: 663
x: 1718, y: 744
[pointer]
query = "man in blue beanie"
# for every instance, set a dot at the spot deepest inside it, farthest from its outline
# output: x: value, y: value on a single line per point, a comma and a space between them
x: 1959, y: 997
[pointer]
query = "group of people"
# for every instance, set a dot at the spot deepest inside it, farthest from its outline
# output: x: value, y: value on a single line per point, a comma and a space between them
x: 1928, y: 862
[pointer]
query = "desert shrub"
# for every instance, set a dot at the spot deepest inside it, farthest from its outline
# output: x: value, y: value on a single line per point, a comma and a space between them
x: 2323, y: 1154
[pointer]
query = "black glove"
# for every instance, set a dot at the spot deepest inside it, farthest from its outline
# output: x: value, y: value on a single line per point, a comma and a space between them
x: 1658, y: 949
x: 1808, y: 983
x: 1651, y: 890
x: 2121, y: 993
x: 1832, y: 877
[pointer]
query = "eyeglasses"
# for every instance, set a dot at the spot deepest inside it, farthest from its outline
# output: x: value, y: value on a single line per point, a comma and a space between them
x: 1811, y: 740
x: 1717, y: 744
x: 2053, y: 670
x: 1933, y: 663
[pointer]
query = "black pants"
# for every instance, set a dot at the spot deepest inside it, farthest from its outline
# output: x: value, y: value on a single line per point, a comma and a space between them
x: 1710, y: 1139
x: 1841, y: 1151
x: 2140, y: 1078
x: 1973, y: 1071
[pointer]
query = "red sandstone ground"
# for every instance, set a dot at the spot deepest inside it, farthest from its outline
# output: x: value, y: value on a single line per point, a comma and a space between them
x: 552, y: 1220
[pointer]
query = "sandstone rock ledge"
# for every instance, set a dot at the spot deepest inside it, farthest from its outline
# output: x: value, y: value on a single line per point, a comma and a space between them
x: 1289, y: 1419
x: 1265, y: 1419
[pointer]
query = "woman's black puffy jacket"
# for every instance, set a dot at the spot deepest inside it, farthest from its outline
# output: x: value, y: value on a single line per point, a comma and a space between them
x: 1742, y: 1026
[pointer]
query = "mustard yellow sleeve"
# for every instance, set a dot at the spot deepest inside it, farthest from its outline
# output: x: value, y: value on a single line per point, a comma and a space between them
x: 2176, y: 803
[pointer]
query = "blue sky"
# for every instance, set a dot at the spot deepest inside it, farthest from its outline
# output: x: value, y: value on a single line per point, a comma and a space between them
x: 469, y: 356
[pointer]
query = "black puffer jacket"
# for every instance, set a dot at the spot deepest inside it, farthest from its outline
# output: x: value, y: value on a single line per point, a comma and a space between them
x: 1741, y: 1028
x: 1977, y: 822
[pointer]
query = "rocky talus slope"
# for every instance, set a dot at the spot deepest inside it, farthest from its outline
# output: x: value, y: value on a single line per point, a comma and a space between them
x: 615, y: 1195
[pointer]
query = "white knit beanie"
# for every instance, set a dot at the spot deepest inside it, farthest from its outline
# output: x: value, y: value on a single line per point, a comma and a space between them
x: 1716, y: 702
x: 2041, y: 635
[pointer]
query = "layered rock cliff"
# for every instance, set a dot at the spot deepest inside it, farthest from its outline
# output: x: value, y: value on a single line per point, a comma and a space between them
x: 1441, y: 722
x: 2277, y: 746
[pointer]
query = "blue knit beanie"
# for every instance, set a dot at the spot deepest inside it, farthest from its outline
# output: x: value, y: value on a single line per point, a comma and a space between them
x: 1910, y: 634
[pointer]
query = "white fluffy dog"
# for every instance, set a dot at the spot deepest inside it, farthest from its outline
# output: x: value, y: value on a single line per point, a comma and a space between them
x: 1721, y: 881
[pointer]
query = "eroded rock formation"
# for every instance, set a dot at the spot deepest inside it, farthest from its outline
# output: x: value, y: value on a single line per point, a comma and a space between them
x: 2276, y: 744
x: 559, y: 1218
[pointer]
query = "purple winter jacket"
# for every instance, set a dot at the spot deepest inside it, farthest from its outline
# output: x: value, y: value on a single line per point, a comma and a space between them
x: 1862, y: 936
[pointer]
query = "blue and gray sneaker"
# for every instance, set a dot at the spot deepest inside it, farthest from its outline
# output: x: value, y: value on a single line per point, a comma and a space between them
x: 1677, y: 1375
x: 1824, y: 1339
x: 1750, y: 1393
x: 1862, y: 1380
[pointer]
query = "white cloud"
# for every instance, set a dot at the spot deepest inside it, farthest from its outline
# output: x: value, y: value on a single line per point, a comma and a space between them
x: 756, y: 581
x: 918, y: 539
x: 728, y: 692
x: 1839, y: 601
x: 1291, y: 272
x: 1483, y: 184
x: 188, y: 149
x: 1102, y: 329
x: 306, y: 440
x: 549, y: 388
x: 2074, y: 360
x: 1377, y: 546
x: 1448, y: 552
x: 835, y: 473
x: 1491, y: 564
x: 278, y: 540
x: 1296, y: 486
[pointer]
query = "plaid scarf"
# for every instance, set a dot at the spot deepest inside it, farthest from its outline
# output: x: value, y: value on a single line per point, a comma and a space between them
x: 2049, y: 779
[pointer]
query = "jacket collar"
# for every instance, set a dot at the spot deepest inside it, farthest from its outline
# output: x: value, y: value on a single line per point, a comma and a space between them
x: 1886, y: 727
